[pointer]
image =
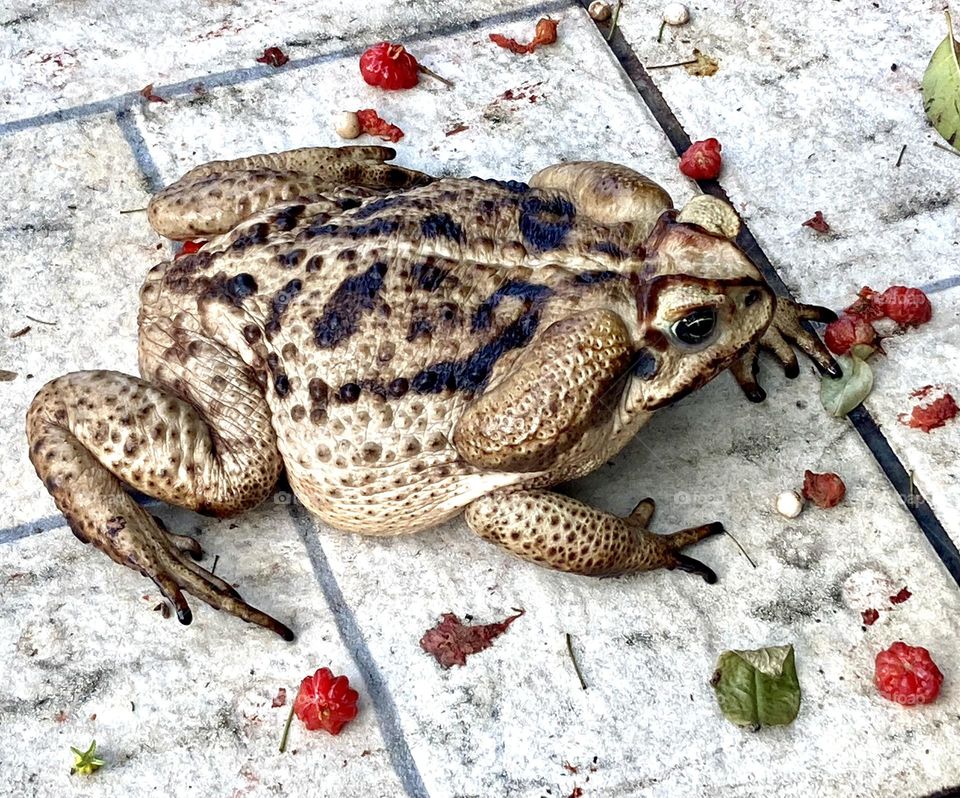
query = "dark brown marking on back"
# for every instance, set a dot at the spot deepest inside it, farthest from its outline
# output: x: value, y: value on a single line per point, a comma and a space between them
x: 342, y: 313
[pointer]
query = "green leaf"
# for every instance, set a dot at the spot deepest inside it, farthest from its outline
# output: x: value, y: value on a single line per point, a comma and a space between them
x: 758, y: 688
x: 941, y: 88
x: 86, y: 762
x: 840, y: 396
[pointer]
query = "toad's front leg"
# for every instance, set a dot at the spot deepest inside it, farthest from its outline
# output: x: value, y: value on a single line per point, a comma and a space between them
x: 568, y: 535
x: 90, y: 430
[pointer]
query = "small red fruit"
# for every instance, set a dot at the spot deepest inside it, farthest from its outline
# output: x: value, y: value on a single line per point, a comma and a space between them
x: 906, y: 305
x: 702, y: 160
x: 326, y: 702
x: 867, y: 305
x: 849, y: 330
x: 824, y: 490
x: 907, y: 675
x: 389, y: 66
x: 188, y: 248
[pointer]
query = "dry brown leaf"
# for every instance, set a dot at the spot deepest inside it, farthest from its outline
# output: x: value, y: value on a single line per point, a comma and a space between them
x: 703, y: 66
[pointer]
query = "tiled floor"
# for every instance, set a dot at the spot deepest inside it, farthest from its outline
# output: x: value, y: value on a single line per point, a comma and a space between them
x: 811, y: 116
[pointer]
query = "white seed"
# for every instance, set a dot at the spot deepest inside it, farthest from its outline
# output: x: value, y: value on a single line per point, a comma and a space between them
x: 789, y: 503
x: 600, y: 11
x: 347, y: 125
x: 676, y: 14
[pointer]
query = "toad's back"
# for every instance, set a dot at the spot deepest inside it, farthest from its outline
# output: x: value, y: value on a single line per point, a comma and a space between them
x: 374, y: 322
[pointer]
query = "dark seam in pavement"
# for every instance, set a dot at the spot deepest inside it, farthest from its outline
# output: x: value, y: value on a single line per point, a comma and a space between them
x: 141, y: 152
x: 233, y: 77
x: 387, y: 715
x: 861, y: 419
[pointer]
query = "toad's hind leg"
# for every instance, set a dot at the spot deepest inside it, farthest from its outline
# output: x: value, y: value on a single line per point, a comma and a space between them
x: 568, y: 535
x: 213, y: 198
x: 90, y: 430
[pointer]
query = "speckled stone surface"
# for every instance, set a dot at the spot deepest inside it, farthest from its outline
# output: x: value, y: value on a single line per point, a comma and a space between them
x: 78, y: 635
x: 840, y: 85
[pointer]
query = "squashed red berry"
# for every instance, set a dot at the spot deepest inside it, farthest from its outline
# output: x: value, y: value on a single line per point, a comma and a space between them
x: 849, y: 330
x: 702, y: 160
x: 867, y: 305
x: 907, y: 675
x: 189, y: 247
x: 824, y: 490
x: 326, y: 702
x: 908, y: 306
x: 389, y: 66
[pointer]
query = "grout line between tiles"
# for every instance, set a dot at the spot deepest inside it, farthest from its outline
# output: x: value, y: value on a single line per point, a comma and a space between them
x: 232, y: 77
x: 865, y: 425
x: 387, y: 715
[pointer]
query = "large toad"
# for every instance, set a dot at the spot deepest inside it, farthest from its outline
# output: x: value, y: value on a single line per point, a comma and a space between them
x: 406, y: 349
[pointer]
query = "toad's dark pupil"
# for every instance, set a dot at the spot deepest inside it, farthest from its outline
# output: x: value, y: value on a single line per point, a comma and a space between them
x: 696, y: 327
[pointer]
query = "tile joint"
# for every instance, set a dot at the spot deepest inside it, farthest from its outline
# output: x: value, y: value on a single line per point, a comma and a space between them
x: 861, y: 419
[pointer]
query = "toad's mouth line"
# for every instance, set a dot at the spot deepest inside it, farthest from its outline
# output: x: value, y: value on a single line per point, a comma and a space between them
x: 861, y: 419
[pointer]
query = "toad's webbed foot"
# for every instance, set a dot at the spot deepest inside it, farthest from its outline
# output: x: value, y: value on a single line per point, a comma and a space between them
x: 568, y: 535
x: 785, y: 332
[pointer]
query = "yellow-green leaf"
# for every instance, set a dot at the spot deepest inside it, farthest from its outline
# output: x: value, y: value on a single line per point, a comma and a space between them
x: 941, y: 88
x: 758, y: 688
x: 840, y: 396
x: 86, y: 762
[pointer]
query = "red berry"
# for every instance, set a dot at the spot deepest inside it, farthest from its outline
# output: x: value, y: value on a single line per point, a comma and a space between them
x: 907, y: 675
x: 867, y: 305
x: 824, y: 490
x: 906, y: 305
x: 189, y: 247
x: 702, y: 160
x: 389, y: 66
x: 849, y: 330
x: 326, y: 702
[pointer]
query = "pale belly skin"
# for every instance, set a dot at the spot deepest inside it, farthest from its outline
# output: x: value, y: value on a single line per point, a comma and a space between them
x: 407, y: 349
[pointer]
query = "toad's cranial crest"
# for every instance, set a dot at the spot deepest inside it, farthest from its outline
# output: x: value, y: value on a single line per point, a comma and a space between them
x: 408, y: 348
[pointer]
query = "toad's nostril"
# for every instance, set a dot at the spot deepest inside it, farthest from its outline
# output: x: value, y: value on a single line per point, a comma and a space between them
x: 751, y: 298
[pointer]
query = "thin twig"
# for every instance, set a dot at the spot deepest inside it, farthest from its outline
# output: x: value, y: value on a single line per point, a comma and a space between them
x: 940, y: 146
x: 613, y: 22
x: 660, y: 34
x: 41, y: 321
x: 435, y: 76
x: 133, y: 210
x: 573, y: 659
x: 24, y: 331
x: 742, y: 549
x: 216, y: 559
x: 286, y: 730
x: 668, y: 66
x: 903, y: 149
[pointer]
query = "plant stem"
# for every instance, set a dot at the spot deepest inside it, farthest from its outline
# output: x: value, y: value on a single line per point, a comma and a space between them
x: 286, y: 730
x: 573, y: 659
x: 742, y: 550
x: 903, y: 149
x: 613, y: 22
x: 668, y: 66
x: 660, y: 33
x: 134, y: 210
x: 435, y: 76
x: 936, y: 144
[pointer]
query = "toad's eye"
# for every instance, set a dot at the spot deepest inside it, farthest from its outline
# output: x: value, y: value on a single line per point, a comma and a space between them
x: 696, y: 327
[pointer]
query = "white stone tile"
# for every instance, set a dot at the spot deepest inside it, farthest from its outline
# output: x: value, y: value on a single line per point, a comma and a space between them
x: 508, y: 721
x: 59, y: 56
x: 182, y: 710
x: 812, y: 116
x: 69, y: 257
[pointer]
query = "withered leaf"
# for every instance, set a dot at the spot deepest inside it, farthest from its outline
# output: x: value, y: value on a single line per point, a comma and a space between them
x: 451, y: 641
x: 703, y: 66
